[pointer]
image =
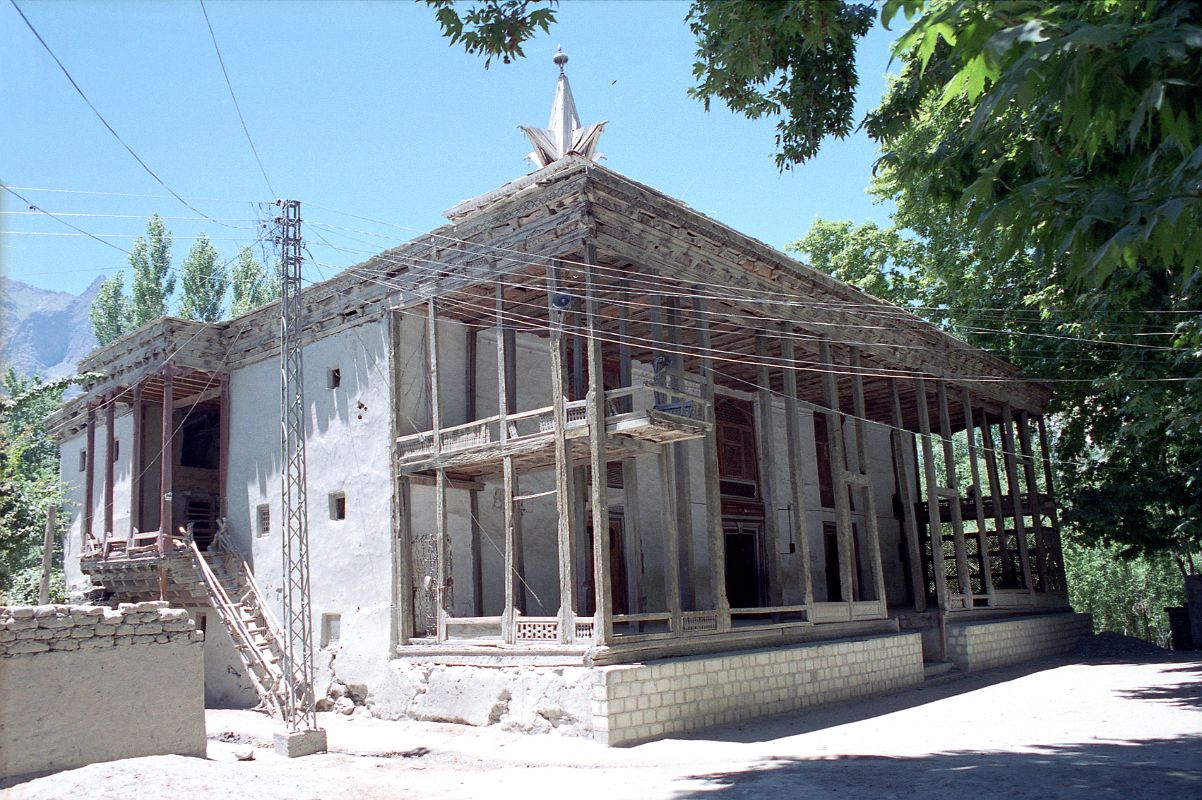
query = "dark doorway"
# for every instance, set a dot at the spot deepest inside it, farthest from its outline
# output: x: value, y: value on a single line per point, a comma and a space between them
x: 830, y: 539
x: 744, y: 570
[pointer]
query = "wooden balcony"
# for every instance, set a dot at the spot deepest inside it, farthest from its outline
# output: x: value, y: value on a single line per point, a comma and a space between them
x: 637, y: 417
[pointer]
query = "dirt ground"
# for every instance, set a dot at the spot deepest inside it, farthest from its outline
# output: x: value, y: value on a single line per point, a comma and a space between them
x: 1092, y: 727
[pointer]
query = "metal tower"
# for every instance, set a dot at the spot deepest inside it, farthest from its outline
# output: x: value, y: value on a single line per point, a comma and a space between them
x: 300, y: 712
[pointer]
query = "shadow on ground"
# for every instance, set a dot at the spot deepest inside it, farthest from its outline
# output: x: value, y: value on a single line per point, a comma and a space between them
x: 1185, y: 695
x: 1149, y: 769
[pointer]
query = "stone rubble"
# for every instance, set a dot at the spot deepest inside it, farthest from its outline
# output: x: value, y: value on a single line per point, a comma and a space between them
x: 26, y: 630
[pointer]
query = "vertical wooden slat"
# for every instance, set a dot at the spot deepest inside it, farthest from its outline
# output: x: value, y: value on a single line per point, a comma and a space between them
x: 995, y: 492
x: 564, y: 500
x: 953, y: 496
x: 800, y: 516
x: 89, y: 477
x: 440, y: 474
x: 715, y: 538
x: 766, y: 445
x: 110, y: 440
x: 906, y: 493
x: 1053, y: 513
x: 1028, y: 457
x: 137, y: 461
x: 970, y: 430
x: 602, y: 571
x: 1010, y: 454
x: 838, y: 458
x: 508, y: 617
x: 871, y: 523
x: 936, y: 518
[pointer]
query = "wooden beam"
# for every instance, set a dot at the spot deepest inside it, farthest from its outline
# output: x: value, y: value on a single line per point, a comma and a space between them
x: 871, y: 523
x: 715, y: 538
x: 766, y: 441
x: 167, y: 455
x: 602, y: 584
x: 110, y: 443
x: 223, y: 444
x: 682, y: 483
x: 953, y: 484
x: 89, y: 477
x: 1010, y: 454
x: 441, y: 548
x: 563, y: 490
x: 137, y: 459
x: 1009, y: 574
x: 970, y: 430
x: 799, y: 518
x: 632, y: 537
x: 834, y: 420
x: 402, y: 594
x: 906, y: 493
x: 932, y: 482
x: 470, y: 368
x: 198, y: 398
x: 1028, y: 456
x: 1057, y: 571
x: 508, y: 616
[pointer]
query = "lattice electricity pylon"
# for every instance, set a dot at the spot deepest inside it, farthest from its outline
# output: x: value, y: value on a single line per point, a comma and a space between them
x: 300, y: 712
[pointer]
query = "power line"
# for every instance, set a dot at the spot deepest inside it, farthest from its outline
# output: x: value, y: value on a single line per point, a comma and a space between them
x: 234, y: 97
x: 34, y: 207
x: 104, y: 121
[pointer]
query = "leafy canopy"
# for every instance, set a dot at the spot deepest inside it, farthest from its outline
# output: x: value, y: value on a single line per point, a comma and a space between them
x: 204, y: 283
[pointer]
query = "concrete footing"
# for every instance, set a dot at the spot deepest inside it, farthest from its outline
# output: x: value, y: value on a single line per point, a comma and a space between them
x: 294, y: 744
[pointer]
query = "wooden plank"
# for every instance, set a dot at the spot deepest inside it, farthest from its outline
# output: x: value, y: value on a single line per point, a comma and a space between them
x: 89, y: 478
x: 1028, y: 454
x: 166, y: 456
x: 953, y: 507
x: 564, y: 500
x: 632, y: 538
x: 1009, y: 575
x: 682, y: 482
x: 766, y: 445
x: 970, y: 430
x: 715, y: 538
x: 668, y: 525
x: 602, y: 569
x: 905, y: 491
x: 137, y: 459
x: 1045, y: 451
x: 508, y: 620
x: 865, y: 469
x: 110, y: 443
x: 834, y: 424
x: 800, y: 518
x: 1010, y: 453
x: 441, y: 546
x: 936, y: 519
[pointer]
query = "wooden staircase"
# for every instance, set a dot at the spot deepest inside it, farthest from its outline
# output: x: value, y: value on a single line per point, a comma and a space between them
x: 239, y: 603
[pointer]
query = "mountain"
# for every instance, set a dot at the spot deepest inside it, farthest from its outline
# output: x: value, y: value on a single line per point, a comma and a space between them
x: 44, y: 332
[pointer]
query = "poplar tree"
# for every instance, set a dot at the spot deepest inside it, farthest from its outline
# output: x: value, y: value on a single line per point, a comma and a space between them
x: 250, y: 284
x: 153, y: 282
x: 110, y: 310
x: 204, y: 283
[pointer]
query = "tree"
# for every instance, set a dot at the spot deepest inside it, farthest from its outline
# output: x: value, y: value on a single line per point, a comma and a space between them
x: 153, y: 280
x: 494, y: 28
x: 110, y: 310
x: 204, y: 283
x: 250, y: 284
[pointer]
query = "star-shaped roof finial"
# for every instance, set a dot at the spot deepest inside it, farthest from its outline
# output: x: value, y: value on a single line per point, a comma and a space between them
x: 563, y: 134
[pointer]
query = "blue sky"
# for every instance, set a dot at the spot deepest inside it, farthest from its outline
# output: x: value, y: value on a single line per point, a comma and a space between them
x: 362, y: 109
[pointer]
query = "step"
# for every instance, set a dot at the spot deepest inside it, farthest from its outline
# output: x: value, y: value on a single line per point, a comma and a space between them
x: 934, y: 669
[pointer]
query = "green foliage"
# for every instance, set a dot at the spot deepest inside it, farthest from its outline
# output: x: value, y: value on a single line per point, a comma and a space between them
x: 110, y: 310
x: 153, y: 281
x: 794, y: 60
x: 23, y: 588
x: 204, y: 283
x: 29, y: 480
x: 250, y: 284
x: 494, y: 28
x: 1127, y: 595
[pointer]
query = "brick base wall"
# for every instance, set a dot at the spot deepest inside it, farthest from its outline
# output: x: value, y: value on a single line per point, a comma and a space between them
x: 982, y: 645
x: 633, y: 703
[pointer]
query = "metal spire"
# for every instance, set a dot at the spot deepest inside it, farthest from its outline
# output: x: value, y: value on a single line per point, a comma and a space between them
x: 563, y: 134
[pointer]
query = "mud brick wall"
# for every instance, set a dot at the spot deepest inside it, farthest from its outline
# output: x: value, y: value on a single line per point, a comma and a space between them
x: 976, y: 646
x: 81, y: 684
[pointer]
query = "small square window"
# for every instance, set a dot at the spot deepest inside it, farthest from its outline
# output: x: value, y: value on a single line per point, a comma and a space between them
x: 337, y: 505
x: 264, y: 521
x: 331, y: 629
x: 83, y: 459
x: 116, y: 449
x: 335, y: 377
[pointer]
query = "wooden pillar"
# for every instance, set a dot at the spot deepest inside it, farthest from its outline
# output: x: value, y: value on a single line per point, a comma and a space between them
x: 167, y: 458
x: 970, y: 430
x: 471, y: 345
x: 766, y: 445
x: 906, y: 493
x: 110, y: 444
x: 953, y: 494
x: 682, y: 482
x: 564, y: 500
x: 871, y: 524
x: 1057, y: 568
x: 223, y: 444
x: 716, y: 537
x: 799, y: 518
x: 834, y: 424
x: 89, y: 478
x: 602, y: 585
x: 1028, y: 458
x: 137, y: 461
x: 932, y: 482
x: 514, y: 593
x: 402, y: 593
x: 440, y: 474
x: 1009, y: 573
x: 632, y: 535
x: 669, y: 515
x: 1010, y: 454
x: 509, y: 615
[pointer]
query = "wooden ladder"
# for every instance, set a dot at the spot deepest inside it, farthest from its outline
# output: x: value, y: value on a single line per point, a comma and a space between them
x: 256, y: 633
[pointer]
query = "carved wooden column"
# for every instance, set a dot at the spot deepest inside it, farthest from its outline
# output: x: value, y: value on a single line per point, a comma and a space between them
x: 602, y: 583
x: 110, y: 444
x: 905, y: 491
x: 716, y: 538
x: 800, y: 519
x: 442, y: 572
x: 565, y: 513
x: 167, y: 459
x: 137, y: 461
x: 223, y: 444
x: 89, y: 478
x: 834, y: 424
x: 970, y: 430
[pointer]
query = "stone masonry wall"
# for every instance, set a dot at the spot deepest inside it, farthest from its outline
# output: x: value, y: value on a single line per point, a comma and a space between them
x: 81, y: 684
x: 633, y: 703
x: 982, y: 645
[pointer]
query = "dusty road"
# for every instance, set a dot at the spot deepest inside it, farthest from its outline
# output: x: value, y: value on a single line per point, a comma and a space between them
x: 1130, y: 729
